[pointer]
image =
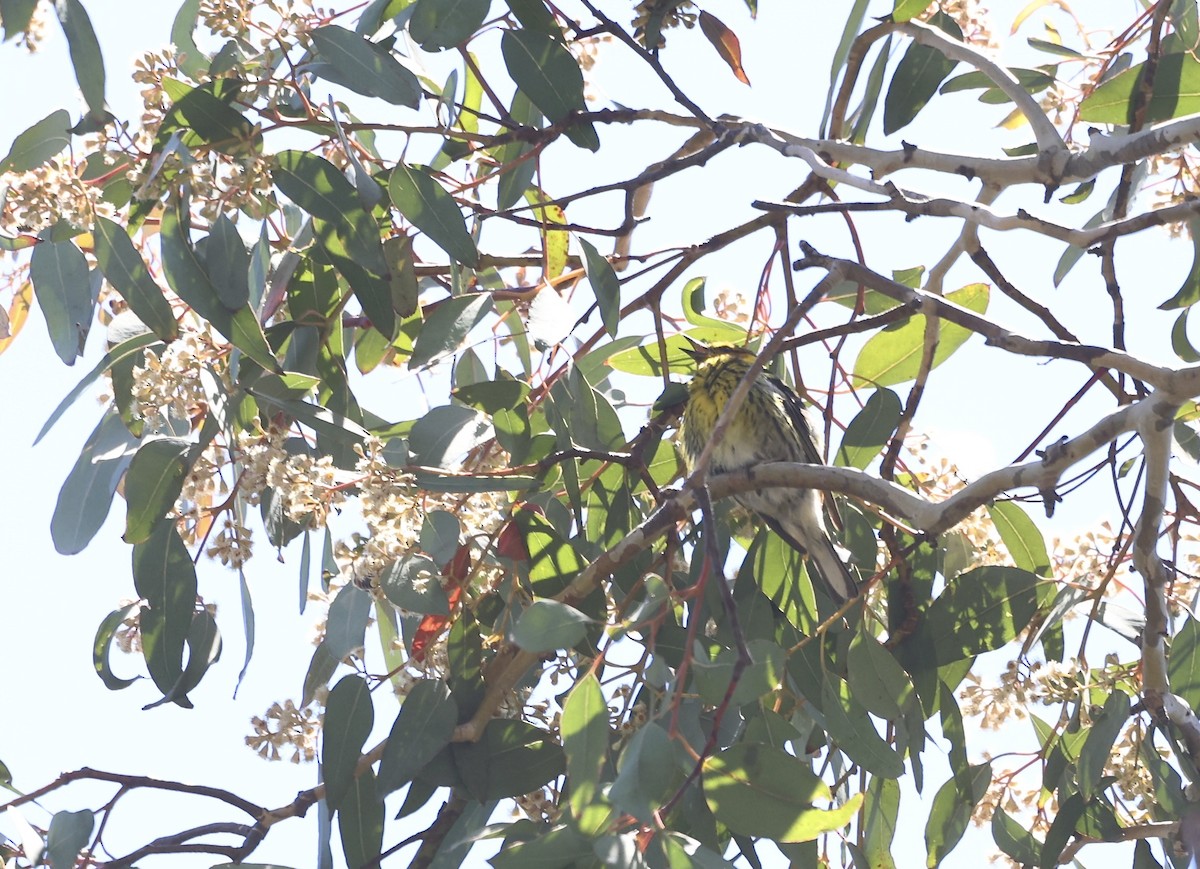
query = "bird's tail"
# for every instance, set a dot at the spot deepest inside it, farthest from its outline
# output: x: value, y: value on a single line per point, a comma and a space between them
x: 826, y: 561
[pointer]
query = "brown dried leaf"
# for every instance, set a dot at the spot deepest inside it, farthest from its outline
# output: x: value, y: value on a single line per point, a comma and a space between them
x: 726, y: 43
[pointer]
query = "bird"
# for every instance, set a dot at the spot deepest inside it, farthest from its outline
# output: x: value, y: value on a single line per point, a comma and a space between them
x: 772, y: 425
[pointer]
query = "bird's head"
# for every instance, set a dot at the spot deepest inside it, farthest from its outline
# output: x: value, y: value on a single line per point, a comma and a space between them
x: 702, y: 353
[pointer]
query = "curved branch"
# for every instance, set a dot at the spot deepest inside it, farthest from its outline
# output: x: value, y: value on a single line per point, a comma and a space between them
x: 1051, y: 148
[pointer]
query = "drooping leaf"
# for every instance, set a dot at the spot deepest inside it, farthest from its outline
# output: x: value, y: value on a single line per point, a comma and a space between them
x: 1021, y: 537
x: 36, y: 145
x: 605, y: 285
x: 725, y: 41
x: 349, y: 716
x: 68, y: 835
x: 59, y: 273
x: 413, y: 583
x: 85, y: 57
x: 917, y: 78
x: 365, y: 67
x: 431, y: 209
x: 447, y: 326
x: 585, y: 735
x: 152, y: 485
x: 438, y: 24
x: 547, y: 73
x: 983, y: 609
x: 512, y: 758
x: 950, y: 814
x: 870, y: 430
x: 758, y: 790
x: 360, y: 821
x: 87, y: 493
x: 163, y: 574
x: 102, y: 645
x: 547, y: 625
x: 1103, y: 733
x: 422, y: 729
x: 125, y: 269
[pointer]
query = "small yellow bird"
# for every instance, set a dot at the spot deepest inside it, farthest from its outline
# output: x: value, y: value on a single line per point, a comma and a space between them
x: 770, y: 426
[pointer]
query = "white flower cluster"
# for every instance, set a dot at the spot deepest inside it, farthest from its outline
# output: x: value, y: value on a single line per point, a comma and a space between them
x: 171, y: 382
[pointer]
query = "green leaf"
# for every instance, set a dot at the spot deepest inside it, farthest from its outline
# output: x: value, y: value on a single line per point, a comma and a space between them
x: 1032, y: 80
x: 447, y: 326
x: 906, y: 10
x: 849, y: 724
x: 188, y: 278
x: 512, y: 758
x: 348, y: 720
x: 102, y: 645
x: 428, y: 206
x: 1183, y: 667
x: 440, y: 531
x: 547, y: 625
x: 364, y: 67
x: 438, y: 24
x: 1189, y: 291
x: 87, y: 493
x: 547, y: 73
x: 982, y: 610
x: 114, y: 356
x: 647, y: 773
x: 16, y: 15
x: 1180, y: 342
x: 346, y: 624
x: 33, y: 147
x: 517, y: 173
x: 894, y: 355
x: 917, y: 78
x: 85, y: 56
x: 605, y: 285
x: 1013, y: 839
x: 191, y: 61
x: 559, y: 847
x: 553, y: 562
x: 153, y: 484
x: 880, y: 814
x: 163, y: 574
x: 323, y: 421
x: 361, y: 819
x: 218, y: 124
x: 757, y: 790
x: 1176, y: 92
x: 1021, y: 537
x: 493, y: 396
x: 446, y: 433
x: 68, y: 835
x: 876, y: 680
x: 870, y: 430
x: 125, y: 269
x: 413, y: 583
x: 1103, y: 733
x: 951, y: 812
x: 585, y: 737
x: 316, y: 185
x: 763, y: 675
x: 59, y: 273
x: 422, y: 729
x: 228, y: 263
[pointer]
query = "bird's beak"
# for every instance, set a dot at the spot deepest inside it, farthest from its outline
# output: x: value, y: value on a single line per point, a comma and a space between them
x: 696, y: 351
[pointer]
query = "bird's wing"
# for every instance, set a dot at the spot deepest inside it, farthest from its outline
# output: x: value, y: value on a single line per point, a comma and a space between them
x: 810, y: 439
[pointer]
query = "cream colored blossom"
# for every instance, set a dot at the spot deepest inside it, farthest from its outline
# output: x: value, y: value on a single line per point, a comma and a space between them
x: 285, y: 727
